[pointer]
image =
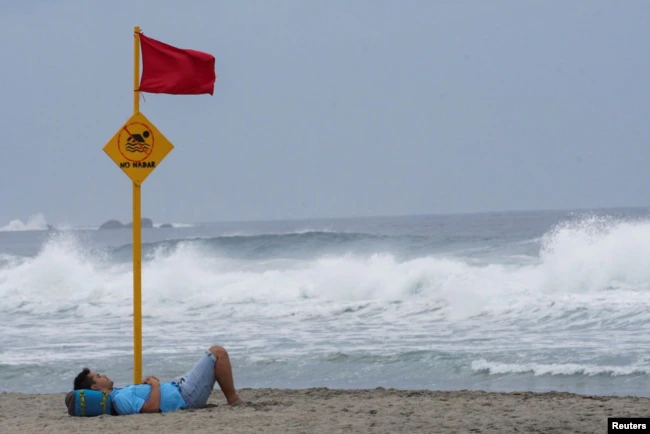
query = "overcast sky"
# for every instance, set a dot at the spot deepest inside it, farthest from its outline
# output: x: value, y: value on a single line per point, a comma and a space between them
x: 327, y: 109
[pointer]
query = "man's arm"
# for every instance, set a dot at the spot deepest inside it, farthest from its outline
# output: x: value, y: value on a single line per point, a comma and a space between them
x: 152, y: 405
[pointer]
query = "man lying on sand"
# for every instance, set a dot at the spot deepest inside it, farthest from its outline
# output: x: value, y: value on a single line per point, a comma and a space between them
x: 192, y: 391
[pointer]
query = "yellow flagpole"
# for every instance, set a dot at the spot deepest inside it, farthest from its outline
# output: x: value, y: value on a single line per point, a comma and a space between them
x: 137, y: 235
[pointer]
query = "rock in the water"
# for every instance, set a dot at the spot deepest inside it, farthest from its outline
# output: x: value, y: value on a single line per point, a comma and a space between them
x: 112, y: 224
x: 166, y: 225
x: 145, y: 223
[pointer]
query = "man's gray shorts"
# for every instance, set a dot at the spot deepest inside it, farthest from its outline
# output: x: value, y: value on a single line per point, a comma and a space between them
x: 197, y: 384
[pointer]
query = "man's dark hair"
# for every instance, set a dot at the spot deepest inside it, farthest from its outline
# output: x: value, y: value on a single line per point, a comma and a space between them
x: 83, y: 381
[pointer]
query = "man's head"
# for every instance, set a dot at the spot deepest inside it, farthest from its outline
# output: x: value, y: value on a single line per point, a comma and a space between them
x: 92, y: 380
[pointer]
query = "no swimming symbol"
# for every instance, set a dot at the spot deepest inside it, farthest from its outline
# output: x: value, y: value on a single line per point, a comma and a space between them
x: 138, y: 147
x: 135, y: 141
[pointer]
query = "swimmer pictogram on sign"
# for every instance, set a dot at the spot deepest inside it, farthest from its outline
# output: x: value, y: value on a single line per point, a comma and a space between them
x: 136, y: 141
x: 138, y: 148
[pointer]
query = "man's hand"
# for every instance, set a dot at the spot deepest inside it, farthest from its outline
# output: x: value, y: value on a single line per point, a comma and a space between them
x: 151, y: 380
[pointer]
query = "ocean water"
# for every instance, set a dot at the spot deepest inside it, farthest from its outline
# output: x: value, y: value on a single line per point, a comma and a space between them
x: 540, y: 301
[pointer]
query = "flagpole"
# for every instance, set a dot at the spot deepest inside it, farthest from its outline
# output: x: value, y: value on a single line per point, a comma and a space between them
x: 137, y: 235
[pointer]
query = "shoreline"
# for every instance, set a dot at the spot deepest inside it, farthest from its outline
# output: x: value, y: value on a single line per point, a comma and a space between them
x: 324, y: 410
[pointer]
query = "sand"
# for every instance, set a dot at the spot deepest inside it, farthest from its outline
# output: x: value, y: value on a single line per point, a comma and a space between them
x: 323, y: 410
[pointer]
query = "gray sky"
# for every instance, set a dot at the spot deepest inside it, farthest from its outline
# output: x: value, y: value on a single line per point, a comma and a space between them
x: 325, y: 109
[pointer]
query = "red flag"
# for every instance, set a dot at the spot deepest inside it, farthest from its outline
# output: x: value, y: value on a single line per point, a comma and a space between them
x: 176, y: 71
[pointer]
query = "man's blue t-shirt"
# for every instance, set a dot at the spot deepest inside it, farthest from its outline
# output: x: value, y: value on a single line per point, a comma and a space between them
x: 130, y: 399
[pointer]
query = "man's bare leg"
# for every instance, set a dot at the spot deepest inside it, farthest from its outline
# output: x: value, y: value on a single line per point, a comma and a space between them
x: 223, y: 374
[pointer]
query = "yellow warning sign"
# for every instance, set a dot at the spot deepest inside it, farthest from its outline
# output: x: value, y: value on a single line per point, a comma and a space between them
x: 138, y: 148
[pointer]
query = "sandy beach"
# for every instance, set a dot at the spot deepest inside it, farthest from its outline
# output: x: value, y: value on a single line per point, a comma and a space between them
x: 323, y: 410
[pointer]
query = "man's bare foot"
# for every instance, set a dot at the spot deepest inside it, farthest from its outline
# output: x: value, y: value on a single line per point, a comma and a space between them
x: 235, y: 402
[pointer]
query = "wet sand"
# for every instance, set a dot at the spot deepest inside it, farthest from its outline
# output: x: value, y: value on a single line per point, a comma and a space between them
x: 323, y: 410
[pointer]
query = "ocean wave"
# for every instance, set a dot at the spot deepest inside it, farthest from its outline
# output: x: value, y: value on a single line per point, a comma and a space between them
x: 588, y: 273
x: 269, y: 246
x: 34, y: 223
x: 557, y: 369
